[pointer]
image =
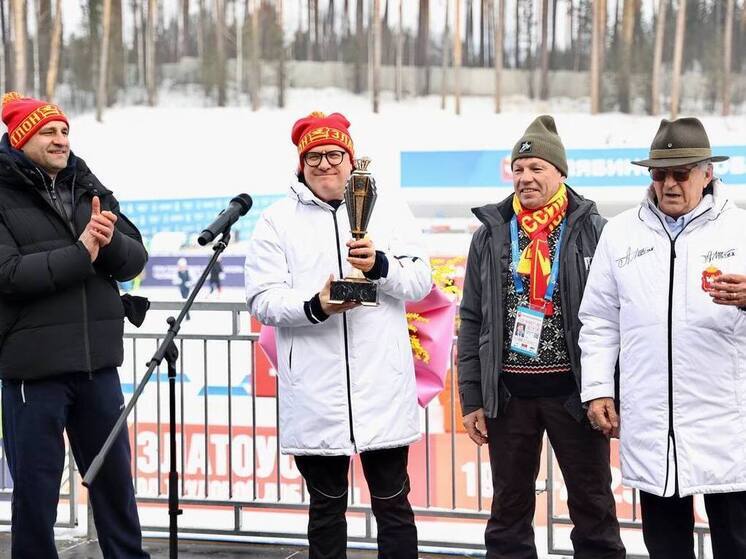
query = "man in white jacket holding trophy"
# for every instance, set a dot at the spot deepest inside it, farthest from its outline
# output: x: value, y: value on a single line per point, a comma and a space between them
x: 346, y: 372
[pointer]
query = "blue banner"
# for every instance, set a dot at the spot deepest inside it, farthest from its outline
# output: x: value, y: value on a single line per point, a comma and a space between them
x: 160, y: 271
x: 190, y: 215
x: 586, y: 167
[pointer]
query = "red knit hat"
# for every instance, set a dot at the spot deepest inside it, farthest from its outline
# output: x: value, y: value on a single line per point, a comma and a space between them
x: 318, y: 129
x: 25, y: 116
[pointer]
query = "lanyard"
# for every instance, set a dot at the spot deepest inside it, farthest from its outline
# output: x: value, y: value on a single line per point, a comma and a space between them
x: 516, y: 256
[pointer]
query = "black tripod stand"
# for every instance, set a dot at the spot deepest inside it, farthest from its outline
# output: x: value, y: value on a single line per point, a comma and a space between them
x: 167, y: 350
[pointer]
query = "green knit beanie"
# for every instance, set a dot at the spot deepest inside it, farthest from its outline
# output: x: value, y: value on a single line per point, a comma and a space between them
x: 541, y: 140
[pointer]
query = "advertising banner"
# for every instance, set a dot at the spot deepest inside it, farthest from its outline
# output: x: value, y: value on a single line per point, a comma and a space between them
x: 603, y: 167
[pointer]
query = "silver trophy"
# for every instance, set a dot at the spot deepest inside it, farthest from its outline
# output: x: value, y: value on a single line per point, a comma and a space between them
x: 360, y: 198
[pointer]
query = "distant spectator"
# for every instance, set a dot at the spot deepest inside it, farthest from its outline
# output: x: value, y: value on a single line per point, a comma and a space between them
x: 183, y: 280
x: 216, y: 276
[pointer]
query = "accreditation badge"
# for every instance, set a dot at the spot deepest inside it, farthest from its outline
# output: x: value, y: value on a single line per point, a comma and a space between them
x: 527, y: 331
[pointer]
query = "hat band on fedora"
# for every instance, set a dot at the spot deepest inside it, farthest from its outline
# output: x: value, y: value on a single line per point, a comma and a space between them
x: 680, y: 152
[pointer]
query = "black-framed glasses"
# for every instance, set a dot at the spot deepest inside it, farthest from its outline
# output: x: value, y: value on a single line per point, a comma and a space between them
x: 334, y: 157
x: 679, y: 174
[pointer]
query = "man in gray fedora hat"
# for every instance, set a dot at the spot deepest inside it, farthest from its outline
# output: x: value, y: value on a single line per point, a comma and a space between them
x: 666, y: 298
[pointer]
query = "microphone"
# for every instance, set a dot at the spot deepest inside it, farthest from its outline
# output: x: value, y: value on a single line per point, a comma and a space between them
x: 239, y: 206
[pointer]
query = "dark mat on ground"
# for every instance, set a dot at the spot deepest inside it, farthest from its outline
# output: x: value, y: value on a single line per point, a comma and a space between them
x: 82, y: 549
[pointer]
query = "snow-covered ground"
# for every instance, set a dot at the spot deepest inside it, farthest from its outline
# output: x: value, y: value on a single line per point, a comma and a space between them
x: 183, y: 149
x: 188, y: 148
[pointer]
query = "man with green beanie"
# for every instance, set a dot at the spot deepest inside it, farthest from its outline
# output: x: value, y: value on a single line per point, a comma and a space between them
x: 518, y: 355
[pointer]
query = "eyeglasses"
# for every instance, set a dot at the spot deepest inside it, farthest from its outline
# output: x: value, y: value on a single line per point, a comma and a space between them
x: 313, y: 158
x: 679, y: 174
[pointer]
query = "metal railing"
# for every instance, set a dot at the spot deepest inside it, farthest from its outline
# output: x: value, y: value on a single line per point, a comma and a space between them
x: 453, y: 509
x: 68, y: 490
x: 230, y: 412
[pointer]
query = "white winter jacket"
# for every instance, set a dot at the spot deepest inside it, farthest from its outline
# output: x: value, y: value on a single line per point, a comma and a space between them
x: 682, y: 358
x: 346, y: 384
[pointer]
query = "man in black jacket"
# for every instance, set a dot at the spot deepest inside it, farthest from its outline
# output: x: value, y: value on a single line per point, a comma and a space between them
x: 518, y: 356
x: 63, y: 246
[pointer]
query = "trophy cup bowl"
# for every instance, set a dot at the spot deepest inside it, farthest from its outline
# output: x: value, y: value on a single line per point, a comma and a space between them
x: 360, y: 198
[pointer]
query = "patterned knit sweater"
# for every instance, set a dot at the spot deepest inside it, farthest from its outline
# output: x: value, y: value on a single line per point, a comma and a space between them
x: 549, y: 373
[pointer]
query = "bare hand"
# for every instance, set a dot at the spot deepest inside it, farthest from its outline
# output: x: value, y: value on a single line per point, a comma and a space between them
x: 90, y: 243
x: 362, y: 254
x: 333, y: 308
x: 603, y: 417
x: 476, y: 426
x: 729, y: 289
x: 101, y: 224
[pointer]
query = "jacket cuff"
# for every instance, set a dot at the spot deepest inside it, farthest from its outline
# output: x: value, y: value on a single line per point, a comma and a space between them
x: 380, y: 268
x: 471, y: 399
x: 313, y: 310
x: 598, y: 391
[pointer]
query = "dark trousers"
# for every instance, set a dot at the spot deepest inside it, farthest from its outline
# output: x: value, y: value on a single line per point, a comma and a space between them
x: 668, y: 525
x: 388, y: 482
x: 515, y: 440
x: 35, y: 414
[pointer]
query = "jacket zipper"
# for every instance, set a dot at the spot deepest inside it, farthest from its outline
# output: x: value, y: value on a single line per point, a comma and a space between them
x: 496, y: 300
x: 566, y: 326
x: 86, y: 339
x: 60, y: 208
x: 344, y: 331
x: 53, y: 200
x: 564, y: 294
x: 671, y: 433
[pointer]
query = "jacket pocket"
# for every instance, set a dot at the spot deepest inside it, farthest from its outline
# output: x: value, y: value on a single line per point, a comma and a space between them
x: 290, y: 363
x: 396, y: 360
x: 284, y: 357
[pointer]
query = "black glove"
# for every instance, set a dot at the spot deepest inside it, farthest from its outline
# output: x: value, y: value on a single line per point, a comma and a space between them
x: 135, y: 308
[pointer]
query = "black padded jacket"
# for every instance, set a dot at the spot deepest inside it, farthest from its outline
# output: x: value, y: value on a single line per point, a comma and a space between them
x: 59, y: 313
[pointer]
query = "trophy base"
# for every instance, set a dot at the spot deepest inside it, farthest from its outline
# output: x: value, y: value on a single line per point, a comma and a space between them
x: 354, y: 290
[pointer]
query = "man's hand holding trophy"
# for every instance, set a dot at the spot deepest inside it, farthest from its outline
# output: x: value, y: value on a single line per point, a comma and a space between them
x: 360, y: 198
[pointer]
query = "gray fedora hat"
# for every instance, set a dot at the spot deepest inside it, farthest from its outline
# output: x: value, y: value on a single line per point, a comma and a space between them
x: 680, y: 142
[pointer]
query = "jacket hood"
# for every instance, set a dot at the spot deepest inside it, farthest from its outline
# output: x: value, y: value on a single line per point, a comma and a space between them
x: 492, y: 215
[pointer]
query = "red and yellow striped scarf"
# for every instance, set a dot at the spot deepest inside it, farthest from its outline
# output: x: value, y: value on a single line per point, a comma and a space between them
x: 535, y: 261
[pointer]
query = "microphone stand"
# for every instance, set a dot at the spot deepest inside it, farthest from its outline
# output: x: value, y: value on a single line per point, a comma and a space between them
x: 168, y: 351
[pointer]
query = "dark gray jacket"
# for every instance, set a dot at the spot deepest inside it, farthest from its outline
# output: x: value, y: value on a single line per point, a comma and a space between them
x: 480, y: 339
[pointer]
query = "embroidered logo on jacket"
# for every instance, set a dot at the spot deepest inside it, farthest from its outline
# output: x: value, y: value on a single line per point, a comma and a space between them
x: 711, y: 255
x: 632, y: 255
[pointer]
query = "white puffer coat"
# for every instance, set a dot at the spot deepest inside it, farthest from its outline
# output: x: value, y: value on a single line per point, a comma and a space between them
x: 682, y: 357
x: 346, y: 384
